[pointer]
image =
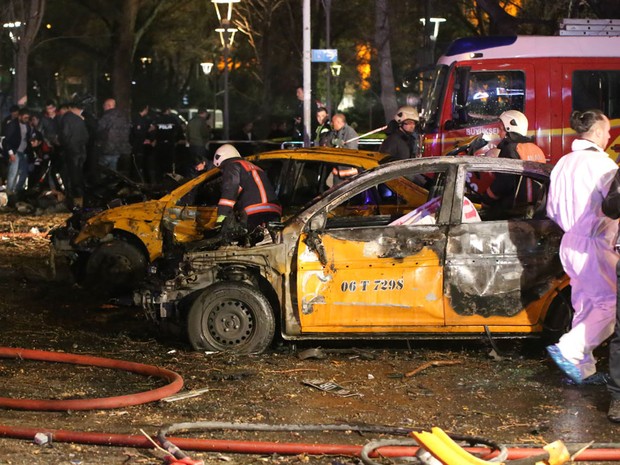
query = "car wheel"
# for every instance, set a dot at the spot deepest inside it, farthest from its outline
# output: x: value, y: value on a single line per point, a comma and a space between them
x: 231, y: 317
x: 116, y: 266
x: 559, y: 317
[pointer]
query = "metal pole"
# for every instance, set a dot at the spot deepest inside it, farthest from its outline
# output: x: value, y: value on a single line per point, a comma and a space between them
x: 307, y: 75
x: 226, y: 127
x: 327, y: 6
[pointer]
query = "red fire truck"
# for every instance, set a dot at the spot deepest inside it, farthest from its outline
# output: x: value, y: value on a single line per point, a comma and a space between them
x: 544, y: 77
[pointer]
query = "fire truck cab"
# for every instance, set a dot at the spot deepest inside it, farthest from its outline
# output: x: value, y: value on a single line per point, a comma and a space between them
x: 546, y: 78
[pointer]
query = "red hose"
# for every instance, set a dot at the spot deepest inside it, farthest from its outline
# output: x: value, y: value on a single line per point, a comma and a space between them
x: 175, y: 382
x: 260, y: 447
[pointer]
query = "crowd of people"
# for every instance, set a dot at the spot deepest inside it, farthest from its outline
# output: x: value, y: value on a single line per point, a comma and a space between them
x: 66, y: 150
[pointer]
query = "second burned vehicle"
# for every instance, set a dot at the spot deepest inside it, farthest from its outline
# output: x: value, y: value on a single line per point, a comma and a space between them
x: 112, y: 248
x: 401, y: 251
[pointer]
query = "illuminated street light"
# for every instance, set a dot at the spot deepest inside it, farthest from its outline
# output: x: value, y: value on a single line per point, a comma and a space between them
x: 335, y: 69
x: 145, y: 61
x: 207, y: 67
x: 436, y: 22
x: 13, y: 29
x: 227, y: 37
x: 228, y: 15
x: 433, y: 37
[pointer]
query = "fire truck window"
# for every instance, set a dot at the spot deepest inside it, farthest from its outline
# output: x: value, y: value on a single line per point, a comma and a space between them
x: 489, y: 95
x: 597, y: 89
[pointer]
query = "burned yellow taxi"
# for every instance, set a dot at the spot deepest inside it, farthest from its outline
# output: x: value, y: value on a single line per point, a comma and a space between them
x: 112, y: 248
x: 405, y: 250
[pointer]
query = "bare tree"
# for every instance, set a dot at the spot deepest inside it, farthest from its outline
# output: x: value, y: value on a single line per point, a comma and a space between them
x: 24, y: 18
x: 127, y: 21
x: 255, y: 20
x: 382, y: 43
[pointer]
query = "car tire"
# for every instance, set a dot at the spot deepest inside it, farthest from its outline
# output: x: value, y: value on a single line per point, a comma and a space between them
x: 116, y: 266
x: 231, y: 317
x: 558, y: 318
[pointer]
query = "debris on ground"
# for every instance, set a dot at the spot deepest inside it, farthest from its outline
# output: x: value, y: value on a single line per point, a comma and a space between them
x: 330, y: 386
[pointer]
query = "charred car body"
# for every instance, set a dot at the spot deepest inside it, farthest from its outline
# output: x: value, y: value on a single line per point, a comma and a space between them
x: 401, y: 251
x: 113, y: 248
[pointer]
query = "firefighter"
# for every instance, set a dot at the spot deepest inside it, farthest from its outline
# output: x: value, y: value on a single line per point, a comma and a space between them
x: 514, y: 144
x: 402, y: 140
x: 579, y: 183
x: 246, y: 189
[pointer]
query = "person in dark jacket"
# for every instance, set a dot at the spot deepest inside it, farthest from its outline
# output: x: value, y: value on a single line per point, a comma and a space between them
x: 73, y: 139
x: 168, y: 133
x: 611, y: 208
x: 198, y: 136
x: 402, y: 140
x: 322, y: 129
x: 141, y: 140
x: 17, y: 145
x: 112, y: 137
x: 246, y: 189
x: 342, y: 134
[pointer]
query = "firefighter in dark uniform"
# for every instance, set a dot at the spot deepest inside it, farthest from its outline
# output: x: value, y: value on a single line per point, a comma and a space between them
x: 506, y: 189
x: 246, y: 190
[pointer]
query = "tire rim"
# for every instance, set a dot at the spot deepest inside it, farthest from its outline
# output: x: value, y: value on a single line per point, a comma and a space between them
x: 230, y: 323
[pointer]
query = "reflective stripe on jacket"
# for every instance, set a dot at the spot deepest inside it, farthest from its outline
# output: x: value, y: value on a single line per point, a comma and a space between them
x: 246, y: 187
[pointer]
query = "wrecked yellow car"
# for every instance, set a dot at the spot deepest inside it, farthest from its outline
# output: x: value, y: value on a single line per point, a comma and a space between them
x: 373, y: 258
x: 113, y: 248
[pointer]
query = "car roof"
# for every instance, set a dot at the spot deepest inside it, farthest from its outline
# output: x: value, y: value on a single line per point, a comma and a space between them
x: 340, y: 156
x: 481, y: 163
x: 363, y: 158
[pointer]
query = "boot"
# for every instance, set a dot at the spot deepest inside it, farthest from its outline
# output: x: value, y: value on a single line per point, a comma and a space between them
x: 613, y: 414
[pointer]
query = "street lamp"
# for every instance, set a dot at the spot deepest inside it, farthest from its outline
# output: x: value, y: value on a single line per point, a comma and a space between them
x: 335, y: 69
x: 433, y: 37
x: 14, y: 28
x: 207, y: 68
x: 227, y: 37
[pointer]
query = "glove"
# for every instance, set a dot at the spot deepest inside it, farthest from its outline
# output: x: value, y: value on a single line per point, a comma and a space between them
x: 220, y: 219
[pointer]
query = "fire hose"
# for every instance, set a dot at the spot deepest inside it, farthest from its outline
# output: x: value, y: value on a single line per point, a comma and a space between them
x: 374, y: 131
x: 441, y: 445
x: 596, y: 452
x: 175, y: 382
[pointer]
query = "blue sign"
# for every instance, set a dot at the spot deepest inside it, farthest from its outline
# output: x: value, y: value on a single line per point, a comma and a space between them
x: 325, y: 55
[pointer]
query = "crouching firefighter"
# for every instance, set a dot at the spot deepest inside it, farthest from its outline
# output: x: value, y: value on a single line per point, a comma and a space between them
x: 247, y: 192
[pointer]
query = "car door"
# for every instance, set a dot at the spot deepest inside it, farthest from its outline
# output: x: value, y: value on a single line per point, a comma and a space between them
x: 376, y: 263
x: 499, y: 267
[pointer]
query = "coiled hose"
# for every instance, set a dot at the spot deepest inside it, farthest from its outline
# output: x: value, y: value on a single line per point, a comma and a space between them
x: 175, y: 382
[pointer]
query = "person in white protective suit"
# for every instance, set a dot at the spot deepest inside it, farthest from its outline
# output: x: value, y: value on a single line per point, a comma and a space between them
x: 579, y: 183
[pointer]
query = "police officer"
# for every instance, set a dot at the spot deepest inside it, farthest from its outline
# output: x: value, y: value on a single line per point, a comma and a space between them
x: 168, y: 132
x: 245, y: 188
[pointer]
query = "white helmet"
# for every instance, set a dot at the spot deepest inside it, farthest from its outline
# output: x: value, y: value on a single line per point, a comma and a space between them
x: 225, y: 152
x: 405, y: 113
x: 514, y: 121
